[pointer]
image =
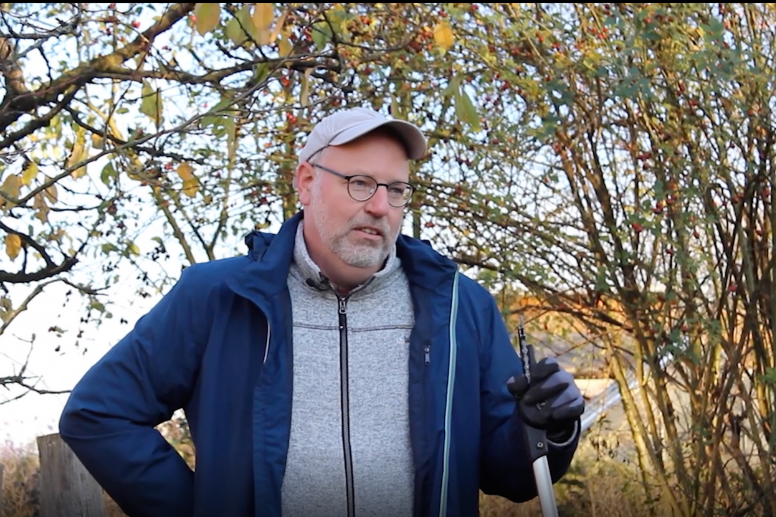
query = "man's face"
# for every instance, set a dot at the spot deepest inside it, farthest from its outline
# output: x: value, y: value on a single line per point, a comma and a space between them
x: 359, y: 233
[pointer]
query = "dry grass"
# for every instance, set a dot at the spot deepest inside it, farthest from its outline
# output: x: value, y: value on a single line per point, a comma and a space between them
x: 601, y: 482
x: 20, y: 480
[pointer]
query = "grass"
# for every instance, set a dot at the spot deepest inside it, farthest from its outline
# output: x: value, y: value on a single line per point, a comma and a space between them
x: 601, y: 482
x: 20, y: 479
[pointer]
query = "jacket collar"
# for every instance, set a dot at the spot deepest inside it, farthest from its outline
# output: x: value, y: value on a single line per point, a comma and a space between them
x: 266, y: 273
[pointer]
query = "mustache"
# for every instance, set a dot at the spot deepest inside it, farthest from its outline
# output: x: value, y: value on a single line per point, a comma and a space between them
x: 380, y: 224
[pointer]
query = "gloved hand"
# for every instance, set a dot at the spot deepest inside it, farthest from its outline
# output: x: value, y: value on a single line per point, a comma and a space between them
x: 551, y: 402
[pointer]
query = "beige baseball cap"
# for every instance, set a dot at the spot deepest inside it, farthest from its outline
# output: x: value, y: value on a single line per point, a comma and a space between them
x: 347, y: 125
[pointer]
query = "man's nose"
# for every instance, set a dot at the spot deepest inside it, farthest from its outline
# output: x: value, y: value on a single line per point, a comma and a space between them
x: 378, y: 204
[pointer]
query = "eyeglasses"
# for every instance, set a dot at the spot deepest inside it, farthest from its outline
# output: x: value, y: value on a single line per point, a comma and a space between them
x: 362, y: 188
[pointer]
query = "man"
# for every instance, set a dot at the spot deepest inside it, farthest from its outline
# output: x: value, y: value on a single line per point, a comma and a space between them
x: 338, y: 369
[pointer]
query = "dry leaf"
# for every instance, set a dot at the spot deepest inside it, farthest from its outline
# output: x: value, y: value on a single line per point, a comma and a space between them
x: 13, y: 244
x: 263, y: 15
x: 51, y: 193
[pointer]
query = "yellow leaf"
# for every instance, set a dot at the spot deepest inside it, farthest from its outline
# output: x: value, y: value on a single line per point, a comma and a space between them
x: 263, y: 15
x: 185, y: 171
x: 443, y: 35
x: 77, y: 154
x: 264, y: 36
x: 278, y: 26
x: 98, y: 142
x: 133, y: 249
x: 284, y: 45
x: 190, y: 186
x: 208, y: 17
x: 29, y: 174
x: 13, y: 243
x: 11, y: 185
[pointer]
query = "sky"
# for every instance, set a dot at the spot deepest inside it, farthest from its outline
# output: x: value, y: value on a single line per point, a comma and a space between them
x: 33, y: 415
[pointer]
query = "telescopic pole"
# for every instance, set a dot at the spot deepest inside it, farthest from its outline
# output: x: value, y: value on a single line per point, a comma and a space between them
x: 536, y: 439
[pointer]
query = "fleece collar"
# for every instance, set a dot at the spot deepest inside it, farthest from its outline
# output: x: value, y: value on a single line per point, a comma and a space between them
x: 315, y: 279
x: 270, y: 256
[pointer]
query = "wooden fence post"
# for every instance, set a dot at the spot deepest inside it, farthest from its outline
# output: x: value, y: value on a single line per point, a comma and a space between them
x: 66, y: 487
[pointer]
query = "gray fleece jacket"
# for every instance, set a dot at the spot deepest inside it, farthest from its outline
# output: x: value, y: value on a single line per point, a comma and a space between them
x: 349, y: 451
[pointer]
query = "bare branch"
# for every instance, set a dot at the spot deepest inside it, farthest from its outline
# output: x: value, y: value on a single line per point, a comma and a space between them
x: 12, y: 314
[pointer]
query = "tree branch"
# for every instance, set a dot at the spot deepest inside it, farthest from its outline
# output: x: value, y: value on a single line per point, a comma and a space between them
x: 30, y: 242
x: 37, y: 123
x: 49, y: 270
x: 13, y: 108
x: 11, y: 315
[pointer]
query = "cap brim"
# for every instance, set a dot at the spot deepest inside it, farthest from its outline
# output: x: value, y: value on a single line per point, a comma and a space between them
x: 412, y: 137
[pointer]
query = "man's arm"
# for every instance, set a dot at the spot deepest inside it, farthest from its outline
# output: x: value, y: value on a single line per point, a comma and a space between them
x: 109, y: 418
x: 505, y: 467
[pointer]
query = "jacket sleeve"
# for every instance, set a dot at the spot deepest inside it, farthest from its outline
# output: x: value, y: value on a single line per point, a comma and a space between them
x: 505, y: 467
x: 109, y: 418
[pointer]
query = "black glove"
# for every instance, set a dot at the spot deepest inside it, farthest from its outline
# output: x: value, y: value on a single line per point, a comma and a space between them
x: 551, y: 402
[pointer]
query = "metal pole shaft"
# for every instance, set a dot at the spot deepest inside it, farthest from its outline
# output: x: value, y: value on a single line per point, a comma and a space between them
x: 544, y: 487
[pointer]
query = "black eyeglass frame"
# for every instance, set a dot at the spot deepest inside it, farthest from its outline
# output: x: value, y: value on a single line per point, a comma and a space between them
x: 377, y: 185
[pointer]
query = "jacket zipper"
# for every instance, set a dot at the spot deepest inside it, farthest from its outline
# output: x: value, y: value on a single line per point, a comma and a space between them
x: 345, y: 402
x: 449, y: 398
x: 266, y: 345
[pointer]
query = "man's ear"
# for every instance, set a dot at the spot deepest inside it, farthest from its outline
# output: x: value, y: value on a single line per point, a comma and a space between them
x: 305, y: 175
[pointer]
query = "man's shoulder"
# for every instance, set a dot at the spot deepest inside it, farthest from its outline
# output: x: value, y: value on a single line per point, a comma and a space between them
x: 424, y: 257
x: 213, y: 272
x: 473, y: 291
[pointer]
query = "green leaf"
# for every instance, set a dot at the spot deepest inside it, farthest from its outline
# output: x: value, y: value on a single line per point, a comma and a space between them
x: 601, y: 283
x: 151, y: 105
x: 240, y: 28
x: 208, y: 17
x: 465, y: 110
x: 715, y: 28
x: 321, y: 34
x: 260, y: 73
x: 235, y: 33
x: 132, y: 248
x: 453, y: 86
x: 108, y: 173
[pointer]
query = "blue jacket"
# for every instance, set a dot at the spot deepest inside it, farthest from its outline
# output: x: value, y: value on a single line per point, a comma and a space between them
x: 218, y: 345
